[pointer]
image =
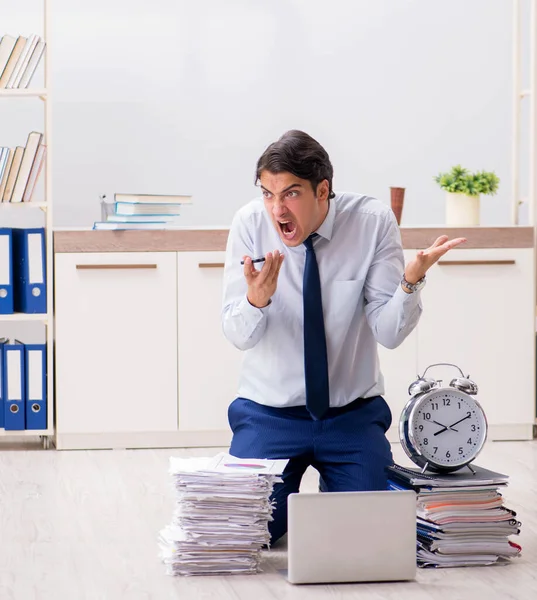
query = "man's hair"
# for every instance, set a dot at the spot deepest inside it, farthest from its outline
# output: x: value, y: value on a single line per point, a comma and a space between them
x: 299, y: 154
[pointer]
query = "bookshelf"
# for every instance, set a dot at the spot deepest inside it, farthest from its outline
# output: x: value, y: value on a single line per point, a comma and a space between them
x: 47, y: 319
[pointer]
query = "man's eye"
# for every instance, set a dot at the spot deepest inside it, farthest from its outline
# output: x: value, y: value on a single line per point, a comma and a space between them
x: 267, y: 194
x: 293, y: 194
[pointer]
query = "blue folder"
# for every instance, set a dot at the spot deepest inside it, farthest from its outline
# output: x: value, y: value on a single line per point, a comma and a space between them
x: 6, y: 271
x: 3, y: 342
x: 14, y: 386
x: 29, y: 270
x: 36, y: 385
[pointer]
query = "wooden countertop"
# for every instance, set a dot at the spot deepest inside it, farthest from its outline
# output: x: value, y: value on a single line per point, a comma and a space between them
x: 204, y: 239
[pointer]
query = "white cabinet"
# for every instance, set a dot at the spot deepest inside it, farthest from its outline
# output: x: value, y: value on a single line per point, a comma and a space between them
x: 116, y: 342
x: 208, y: 364
x: 478, y: 314
x: 141, y: 359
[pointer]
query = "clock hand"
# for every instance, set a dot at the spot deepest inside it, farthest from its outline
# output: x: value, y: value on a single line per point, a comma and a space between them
x: 461, y: 420
x: 445, y: 428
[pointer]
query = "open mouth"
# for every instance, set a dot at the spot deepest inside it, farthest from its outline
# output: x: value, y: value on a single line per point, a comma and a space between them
x: 288, y: 228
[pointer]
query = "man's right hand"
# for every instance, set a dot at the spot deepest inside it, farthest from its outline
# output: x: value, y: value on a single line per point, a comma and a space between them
x: 262, y: 284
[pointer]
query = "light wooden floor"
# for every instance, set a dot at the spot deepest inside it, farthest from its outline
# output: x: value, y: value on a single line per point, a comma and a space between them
x: 83, y: 525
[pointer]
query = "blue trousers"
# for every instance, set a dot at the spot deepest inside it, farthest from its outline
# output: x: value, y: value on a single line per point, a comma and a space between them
x: 348, y: 447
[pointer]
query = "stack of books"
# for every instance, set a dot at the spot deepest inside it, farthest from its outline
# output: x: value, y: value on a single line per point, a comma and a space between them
x: 20, y: 167
x: 223, y: 508
x: 19, y: 58
x: 142, y: 211
x: 462, y: 519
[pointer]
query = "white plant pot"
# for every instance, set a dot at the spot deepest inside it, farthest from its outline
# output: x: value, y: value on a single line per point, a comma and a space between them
x: 462, y: 210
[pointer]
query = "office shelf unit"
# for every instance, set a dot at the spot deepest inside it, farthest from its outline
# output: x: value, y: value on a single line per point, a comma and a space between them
x: 40, y: 94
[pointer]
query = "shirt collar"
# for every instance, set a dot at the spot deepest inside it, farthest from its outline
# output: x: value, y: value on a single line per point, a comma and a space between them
x: 327, y: 226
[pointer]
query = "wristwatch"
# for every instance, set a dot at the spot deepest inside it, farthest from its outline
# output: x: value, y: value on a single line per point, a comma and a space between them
x: 413, y: 287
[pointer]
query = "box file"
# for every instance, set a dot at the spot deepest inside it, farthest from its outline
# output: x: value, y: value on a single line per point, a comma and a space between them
x: 35, y: 358
x: 29, y: 270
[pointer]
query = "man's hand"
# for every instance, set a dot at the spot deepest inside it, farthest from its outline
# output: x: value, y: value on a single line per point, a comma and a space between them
x: 262, y: 284
x: 425, y: 259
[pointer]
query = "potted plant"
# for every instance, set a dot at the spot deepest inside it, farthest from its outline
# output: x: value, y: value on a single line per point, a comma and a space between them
x: 463, y: 192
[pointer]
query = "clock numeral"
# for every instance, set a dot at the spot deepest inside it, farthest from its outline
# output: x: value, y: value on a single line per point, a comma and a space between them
x: 468, y: 414
x: 435, y: 448
x: 420, y: 427
x: 461, y: 451
x: 426, y: 416
x: 434, y: 405
x: 459, y: 404
x: 447, y: 402
x: 425, y: 441
x: 469, y: 441
x: 473, y: 427
x: 448, y: 454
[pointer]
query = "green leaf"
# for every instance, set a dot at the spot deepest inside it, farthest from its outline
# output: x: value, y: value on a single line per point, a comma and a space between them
x: 460, y: 180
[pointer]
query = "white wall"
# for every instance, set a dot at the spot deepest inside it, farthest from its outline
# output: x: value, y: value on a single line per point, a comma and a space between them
x: 182, y: 96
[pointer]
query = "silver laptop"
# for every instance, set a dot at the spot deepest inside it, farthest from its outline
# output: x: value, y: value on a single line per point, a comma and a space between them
x: 351, y: 536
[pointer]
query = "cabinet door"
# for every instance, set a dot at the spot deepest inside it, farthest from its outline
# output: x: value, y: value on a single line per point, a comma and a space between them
x: 479, y: 314
x: 208, y: 363
x: 116, y: 342
x: 399, y: 367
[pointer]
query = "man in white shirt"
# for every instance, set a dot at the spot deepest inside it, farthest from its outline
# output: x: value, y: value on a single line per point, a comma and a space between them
x: 330, y: 284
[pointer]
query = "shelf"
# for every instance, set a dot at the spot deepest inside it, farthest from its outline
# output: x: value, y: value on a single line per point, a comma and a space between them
x: 16, y: 93
x: 24, y: 317
x: 26, y: 204
x: 25, y: 432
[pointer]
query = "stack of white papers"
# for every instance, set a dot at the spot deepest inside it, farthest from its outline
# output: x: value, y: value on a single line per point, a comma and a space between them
x: 462, y: 519
x: 220, y: 522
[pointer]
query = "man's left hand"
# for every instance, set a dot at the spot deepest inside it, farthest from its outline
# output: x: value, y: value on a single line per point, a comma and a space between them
x: 425, y: 259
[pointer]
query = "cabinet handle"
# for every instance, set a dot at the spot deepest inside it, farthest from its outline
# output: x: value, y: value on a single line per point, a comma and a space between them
x: 210, y: 265
x: 125, y: 266
x: 447, y: 263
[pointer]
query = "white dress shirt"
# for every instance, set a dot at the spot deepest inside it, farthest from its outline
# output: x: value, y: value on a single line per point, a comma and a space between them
x: 360, y: 258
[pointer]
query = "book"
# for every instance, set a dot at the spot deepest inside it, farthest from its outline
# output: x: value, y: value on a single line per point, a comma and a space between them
x: 5, y: 175
x: 132, y: 208
x: 110, y: 225
x: 152, y: 198
x: 28, y: 158
x: 31, y: 67
x: 4, y: 155
x: 6, y: 48
x: 34, y: 173
x: 23, y: 61
x: 142, y: 218
x: 13, y: 173
x: 12, y: 62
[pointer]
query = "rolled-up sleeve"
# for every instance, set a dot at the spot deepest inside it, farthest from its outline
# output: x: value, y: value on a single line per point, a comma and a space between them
x: 391, y: 313
x: 243, y: 324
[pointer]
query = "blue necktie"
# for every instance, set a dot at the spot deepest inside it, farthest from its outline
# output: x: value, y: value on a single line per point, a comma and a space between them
x: 315, y: 357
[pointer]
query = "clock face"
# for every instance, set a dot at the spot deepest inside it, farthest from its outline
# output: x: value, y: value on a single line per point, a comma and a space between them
x: 448, y: 427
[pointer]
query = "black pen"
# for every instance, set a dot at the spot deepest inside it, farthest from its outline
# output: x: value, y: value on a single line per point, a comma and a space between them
x: 255, y: 260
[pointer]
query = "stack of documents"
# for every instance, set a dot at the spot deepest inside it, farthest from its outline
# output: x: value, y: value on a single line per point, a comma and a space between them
x: 222, y: 512
x: 462, y: 519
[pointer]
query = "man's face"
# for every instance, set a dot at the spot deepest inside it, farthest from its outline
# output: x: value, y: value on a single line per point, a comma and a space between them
x: 295, y: 210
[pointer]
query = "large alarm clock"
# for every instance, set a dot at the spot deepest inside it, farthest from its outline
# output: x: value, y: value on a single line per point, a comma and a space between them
x: 442, y: 428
